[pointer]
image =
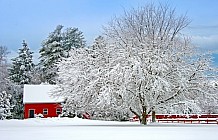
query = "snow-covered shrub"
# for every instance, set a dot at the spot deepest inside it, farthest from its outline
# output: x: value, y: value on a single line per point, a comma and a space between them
x: 38, y: 115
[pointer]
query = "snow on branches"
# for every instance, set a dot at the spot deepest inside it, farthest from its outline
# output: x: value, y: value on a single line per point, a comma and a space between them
x: 144, y: 65
x: 5, y: 106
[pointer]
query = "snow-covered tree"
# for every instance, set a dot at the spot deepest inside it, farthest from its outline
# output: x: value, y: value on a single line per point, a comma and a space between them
x: 55, y: 47
x: 208, y: 103
x: 22, y: 66
x: 50, y: 53
x: 20, y: 73
x: 5, y: 105
x: 72, y: 38
x: 37, y: 75
x: 17, y: 101
x: 5, y: 86
x: 89, y: 63
x: 3, y: 67
x: 165, y: 70
x: 146, y: 66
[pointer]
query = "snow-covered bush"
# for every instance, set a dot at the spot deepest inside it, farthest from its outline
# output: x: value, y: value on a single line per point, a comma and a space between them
x: 38, y: 115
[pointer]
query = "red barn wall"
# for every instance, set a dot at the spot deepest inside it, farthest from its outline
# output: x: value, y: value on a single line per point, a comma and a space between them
x: 38, y: 108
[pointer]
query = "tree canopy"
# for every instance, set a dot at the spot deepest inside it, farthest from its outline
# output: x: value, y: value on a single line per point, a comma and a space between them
x: 22, y: 66
x: 55, y: 47
x: 145, y: 64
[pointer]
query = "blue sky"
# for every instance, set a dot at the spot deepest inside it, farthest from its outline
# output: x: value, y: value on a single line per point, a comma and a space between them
x: 33, y: 20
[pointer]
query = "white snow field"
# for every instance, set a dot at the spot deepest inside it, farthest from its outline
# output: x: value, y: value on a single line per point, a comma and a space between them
x: 81, y: 129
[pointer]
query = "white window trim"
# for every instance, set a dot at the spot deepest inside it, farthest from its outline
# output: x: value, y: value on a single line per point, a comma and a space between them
x: 58, y: 111
x: 45, y: 110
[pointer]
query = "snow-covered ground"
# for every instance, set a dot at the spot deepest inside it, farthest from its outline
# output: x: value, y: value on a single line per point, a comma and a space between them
x: 80, y: 129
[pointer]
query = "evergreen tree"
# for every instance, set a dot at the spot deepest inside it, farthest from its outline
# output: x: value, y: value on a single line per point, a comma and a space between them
x: 55, y: 47
x: 22, y: 66
x: 36, y: 75
x: 17, y: 101
x: 6, y: 87
x: 3, y: 67
x: 72, y: 38
x: 20, y: 73
x: 50, y: 52
x: 5, y: 105
x: 99, y: 42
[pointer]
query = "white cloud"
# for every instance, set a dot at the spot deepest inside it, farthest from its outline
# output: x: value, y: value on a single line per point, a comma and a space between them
x: 206, y: 42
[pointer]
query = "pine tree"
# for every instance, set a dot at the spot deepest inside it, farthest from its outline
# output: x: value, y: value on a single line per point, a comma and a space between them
x: 17, y: 101
x: 5, y: 86
x: 55, y: 47
x: 3, y: 67
x: 99, y: 42
x: 50, y: 53
x: 22, y: 66
x: 20, y: 73
x: 5, y: 105
x: 72, y: 38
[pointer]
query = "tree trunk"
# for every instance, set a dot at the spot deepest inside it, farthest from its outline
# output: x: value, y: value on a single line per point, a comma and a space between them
x: 144, y: 115
x: 144, y: 118
x: 153, y: 116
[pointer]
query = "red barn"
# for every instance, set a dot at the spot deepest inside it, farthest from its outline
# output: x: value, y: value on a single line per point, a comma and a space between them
x: 37, y: 100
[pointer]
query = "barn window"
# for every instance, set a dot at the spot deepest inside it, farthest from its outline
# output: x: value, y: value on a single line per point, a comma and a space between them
x: 45, y: 111
x: 58, y: 111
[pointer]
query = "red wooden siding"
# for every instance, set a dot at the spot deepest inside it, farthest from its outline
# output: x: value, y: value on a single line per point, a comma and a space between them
x: 38, y: 109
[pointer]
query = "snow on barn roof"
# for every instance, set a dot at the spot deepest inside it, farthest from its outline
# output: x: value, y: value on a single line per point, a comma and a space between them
x: 40, y: 94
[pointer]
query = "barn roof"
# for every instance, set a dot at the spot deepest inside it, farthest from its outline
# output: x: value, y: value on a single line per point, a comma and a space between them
x: 40, y: 94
